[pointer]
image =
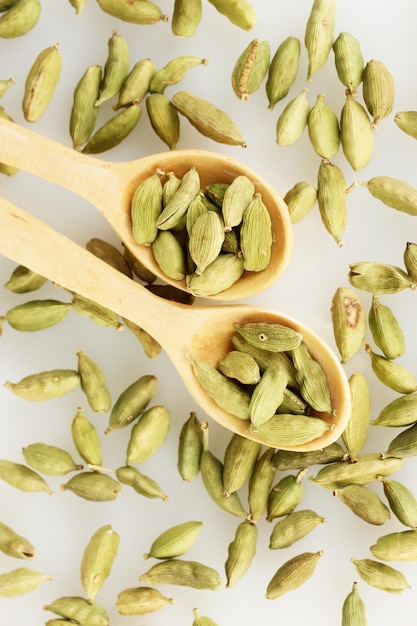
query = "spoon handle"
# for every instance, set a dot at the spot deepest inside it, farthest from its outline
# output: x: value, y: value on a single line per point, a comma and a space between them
x: 35, y: 154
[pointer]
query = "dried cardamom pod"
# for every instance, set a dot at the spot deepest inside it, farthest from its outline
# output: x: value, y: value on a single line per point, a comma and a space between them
x: 184, y: 573
x: 141, y: 601
x: 202, y: 620
x: 402, y: 501
x: 164, y: 118
x: 15, y: 545
x: 45, y: 385
x: 19, y: 18
x: 331, y: 199
x: 401, y: 411
x: 206, y: 240
x: 241, y: 13
x: 378, y: 90
x: 356, y: 133
x: 356, y: 432
x: 77, y: 609
x: 114, y: 130
x: 236, y: 199
x: 353, y: 609
x: 323, y: 128
x: 211, y: 469
x: 151, y: 347
x: 396, y: 546
x: 178, y: 204
x: 20, y: 581
x: 391, y: 373
x: 365, y: 469
x: 93, y: 486
x: 186, y: 16
x: 386, y: 330
x: 50, y: 460
x: 285, y: 430
x: 169, y: 255
x: 295, y: 526
x: 136, y: 84
x: 364, y: 503
x: 349, y: 322
x: 273, y: 337
x: 319, y: 34
x: 260, y: 483
x: 292, y: 574
x: 84, y: 114
x: 349, y: 61
x: 145, y: 209
x: 24, y: 280
x: 97, y: 560
x: 190, y: 447
x: 379, y: 278
x: 286, y: 495
x: 21, y: 477
x: 173, y: 72
x: 239, y: 459
x: 380, y: 575
x: 300, y: 200
x: 251, y: 68
x: 404, y: 444
x: 267, y: 396
x: 256, y: 236
x: 108, y: 253
x: 291, y: 459
x: 96, y: 312
x: 134, y: 13
x: 142, y: 484
x: 394, y: 193
x: 312, y: 379
x: 37, y: 315
x: 241, y: 552
x: 132, y: 402
x: 93, y: 383
x: 241, y: 366
x: 175, y: 541
x: 283, y: 70
x: 407, y: 122
x: 410, y: 260
x: 86, y: 439
x: 116, y: 68
x: 41, y: 82
x: 293, y: 120
x: 148, y: 434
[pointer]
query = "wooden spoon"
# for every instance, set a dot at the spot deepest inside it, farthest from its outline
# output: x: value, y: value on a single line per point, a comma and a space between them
x: 184, y: 331
x: 110, y: 186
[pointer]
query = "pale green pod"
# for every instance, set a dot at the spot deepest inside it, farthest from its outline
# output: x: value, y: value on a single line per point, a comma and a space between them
x: 283, y: 70
x: 391, y: 373
x: 407, y: 122
x: 175, y: 541
x: 211, y: 469
x: 142, y: 484
x: 169, y: 255
x: 227, y: 394
x: 186, y: 16
x: 231, y: 243
x: 348, y: 60
x: 21, y: 477
x: 349, y: 322
x: 221, y: 274
x: 266, y: 358
x: 93, y: 383
x: 353, y: 609
x: 136, y: 12
x: 364, y: 503
x: 148, y: 434
x: 173, y: 72
x: 19, y: 18
x: 114, y: 131
x: 293, y: 120
x: 241, y: 552
x: 260, y: 483
x: 285, y: 496
x: 202, y: 620
x: 256, y: 238
x: 197, y: 207
x: 267, y: 396
x: 78, y: 5
x: 394, y: 193
x: 24, y: 280
x: 206, y: 240
x: 183, y: 573
x: 402, y: 501
x: 136, y: 84
x: 379, y: 278
x: 404, y: 444
x: 84, y: 114
x: 37, y: 315
x: 241, y: 366
x: 356, y: 133
x: 284, y: 460
x: 366, y: 469
x: 86, y: 439
x: 164, y: 118
x: 273, y: 337
x: 79, y: 610
x: 287, y: 430
x: 215, y: 193
x: 331, y: 199
x: 45, y: 385
x: 386, y: 330
x: 5, y: 84
x: 239, y: 460
x: 292, y: 574
x: 319, y: 34
x: 108, y: 253
x: 132, y: 401
x: 176, y: 208
x: 141, y: 601
x: 381, y: 576
x: 97, y: 560
x: 145, y: 209
x: 208, y: 119
x: 241, y: 13
x: 401, y: 411
x: 20, y: 581
x: 378, y: 90
x: 356, y: 432
x: 312, y: 379
x: 15, y: 545
x: 151, y: 347
x: 323, y: 128
x: 396, y: 546
x: 116, y: 68
x: 410, y: 259
x: 236, y: 199
x: 250, y: 68
x: 50, y: 460
x: 300, y: 200
x: 190, y: 448
x: 41, y: 82
x: 100, y: 315
x: 93, y: 486
x: 294, y: 527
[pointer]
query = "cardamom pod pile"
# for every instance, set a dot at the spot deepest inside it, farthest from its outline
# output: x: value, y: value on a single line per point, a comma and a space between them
x: 120, y: 500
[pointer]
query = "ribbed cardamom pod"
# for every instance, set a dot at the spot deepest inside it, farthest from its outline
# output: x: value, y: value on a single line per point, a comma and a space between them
x: 285, y: 430
x: 19, y: 18
x: 221, y: 274
x: 391, y: 373
x: 285, y: 496
x: 208, y: 119
x: 407, y: 122
x: 114, y: 130
x: 148, y: 434
x: 202, y: 620
x: 349, y: 61
x: 20, y: 581
x: 116, y: 68
x: 41, y: 82
x: 319, y: 34
x: 283, y: 70
x: 211, y: 469
x: 84, y: 114
x: 331, y: 199
x: 78, y: 610
x: 364, y: 503
x: 136, y: 84
x: 108, y: 253
x: 169, y: 255
x: 349, y: 322
x: 190, y: 447
x: 175, y: 541
x: 293, y: 120
x: 132, y: 402
x: 284, y: 460
x: 386, y: 330
x: 141, y: 601
x: 356, y: 432
x: 24, y: 280
x: 97, y: 560
x: 134, y: 13
x: 241, y: 552
x: 45, y: 385
x: 86, y: 439
x: 381, y: 576
x: 184, y: 573
x: 378, y: 90
x: 15, y: 545
x: 399, y: 412
x: 241, y: 366
x: 150, y: 346
x: 145, y: 209
x: 267, y: 396
x: 402, y: 501
x: 241, y: 13
x: 178, y: 204
x: 323, y: 128
x: 260, y: 483
x: 365, y: 469
x: 353, y: 609
x: 256, y: 238
x: 404, y: 444
x: 50, y: 460
x: 93, y: 383
x: 37, y: 315
x: 293, y: 527
x: 21, y: 477
x: 379, y: 278
x: 312, y: 379
x: 251, y: 68
x: 396, y: 546
x: 236, y: 199
x: 292, y: 574
x: 100, y: 315
x: 164, y: 118
x: 93, y: 486
x: 300, y: 199
x: 173, y: 72
x: 186, y: 16
x: 394, y: 193
x: 410, y: 259
x: 206, y: 240
x: 265, y: 358
x: 356, y: 133
x: 239, y: 459
x: 273, y: 337
x: 142, y: 484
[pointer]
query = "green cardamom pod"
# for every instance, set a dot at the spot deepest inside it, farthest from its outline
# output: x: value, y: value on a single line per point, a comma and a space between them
x: 381, y: 576
x: 241, y: 13
x: 386, y: 330
x: 349, y: 61
x: 97, y: 560
x: 21, y: 477
x: 353, y: 609
x: 184, y: 573
x: 93, y: 486
x: 133, y: 12
x: 241, y: 552
x: 142, y: 484
x: 19, y: 18
x: 141, y: 600
x: 364, y: 503
x: 148, y: 434
x: 331, y: 199
x: 93, y: 383
x: 45, y: 385
x: 136, y: 84
x: 84, y: 114
x: 292, y: 574
x: 175, y: 541
x: 20, y: 581
x: 50, y: 460
x: 319, y: 34
x: 349, y: 322
x: 37, y: 315
x: 86, y: 439
x: 116, y: 68
x: 186, y: 16
x: 283, y: 70
x: 293, y: 527
x: 293, y: 120
x: 41, y: 82
x: 15, y: 545
x: 114, y: 130
x: 250, y: 68
x: 239, y: 459
x: 132, y: 401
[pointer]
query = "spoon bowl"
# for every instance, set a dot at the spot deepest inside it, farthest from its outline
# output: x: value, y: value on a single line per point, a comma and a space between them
x: 110, y: 186
x: 186, y: 333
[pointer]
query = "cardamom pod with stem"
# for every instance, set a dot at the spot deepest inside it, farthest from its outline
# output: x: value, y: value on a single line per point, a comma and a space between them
x: 353, y: 609
x: 20, y: 581
x: 293, y: 120
x: 164, y: 118
x: 379, y: 278
x: 331, y: 199
x: 141, y: 600
x: 239, y: 459
x: 356, y: 133
x: 136, y: 84
x: 251, y: 68
x: 293, y: 574
x: 173, y: 72
x: 133, y: 12
x: 184, y: 573
x: 84, y: 114
x: 86, y: 439
x: 386, y: 330
x: 391, y: 373
x: 148, y: 434
x: 93, y: 383
x: 349, y: 61
x: 241, y: 552
x: 116, y: 68
x: 142, y: 484
x: 396, y: 546
x: 175, y: 541
x: 50, y: 460
x: 378, y: 90
x: 381, y: 576
x: 190, y: 447
x: 293, y: 527
x: 319, y: 34
x: 132, y: 401
x: 114, y: 130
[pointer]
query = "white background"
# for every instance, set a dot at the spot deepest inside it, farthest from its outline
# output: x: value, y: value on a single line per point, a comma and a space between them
x: 60, y: 525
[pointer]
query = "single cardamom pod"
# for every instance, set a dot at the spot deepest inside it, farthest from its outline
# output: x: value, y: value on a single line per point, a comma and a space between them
x: 93, y: 383
x: 211, y: 469
x: 284, y: 460
x: 86, y: 439
x: 285, y: 430
x: 97, y: 560
x: 396, y: 546
x: 260, y: 483
x: 100, y: 315
x: 256, y: 238
x: 21, y: 477
x: 241, y: 13
x: 41, y: 82
x: 37, y: 315
x: 323, y: 128
x: 132, y: 401
x: 184, y: 573
x: 93, y: 486
x: 292, y: 574
x: 379, y: 278
x: 353, y: 609
x: 312, y: 379
x: 404, y: 444
x: 239, y: 459
x: 331, y: 199
x: 365, y: 469
x: 141, y: 601
x: 349, y: 322
x: 241, y: 366
x: 206, y: 240
x: 364, y: 503
x: 378, y: 90
x: 169, y: 255
x: 77, y: 609
x: 20, y: 581
x: 392, y: 374
x: 15, y: 545
x: 84, y: 114
x: 402, y: 501
x: 190, y: 447
x: 136, y: 84
x: 134, y: 13
x: 236, y: 199
x: 114, y: 130
x: 380, y: 575
x: 142, y: 484
x: 202, y: 620
x: 241, y: 552
x: 186, y: 16
x: 45, y: 385
x: 221, y: 274
x: 285, y: 496
x: 319, y: 34
x: 116, y: 68
x: 394, y: 193
x: 410, y: 260
x: 300, y: 200
x: 283, y: 70
x: 24, y: 280
x: 145, y: 209
x: 164, y: 118
x: 50, y: 460
x: 356, y: 133
x: 251, y: 68
x: 349, y: 61
x: 178, y: 204
x: 19, y: 18
x: 151, y: 347
x: 173, y: 72
x: 386, y: 330
x: 175, y: 541
x: 399, y: 412
x: 356, y: 432
x: 148, y: 434
x: 407, y: 122
x: 293, y: 120
x: 267, y: 396
x: 293, y: 527
x: 273, y: 337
